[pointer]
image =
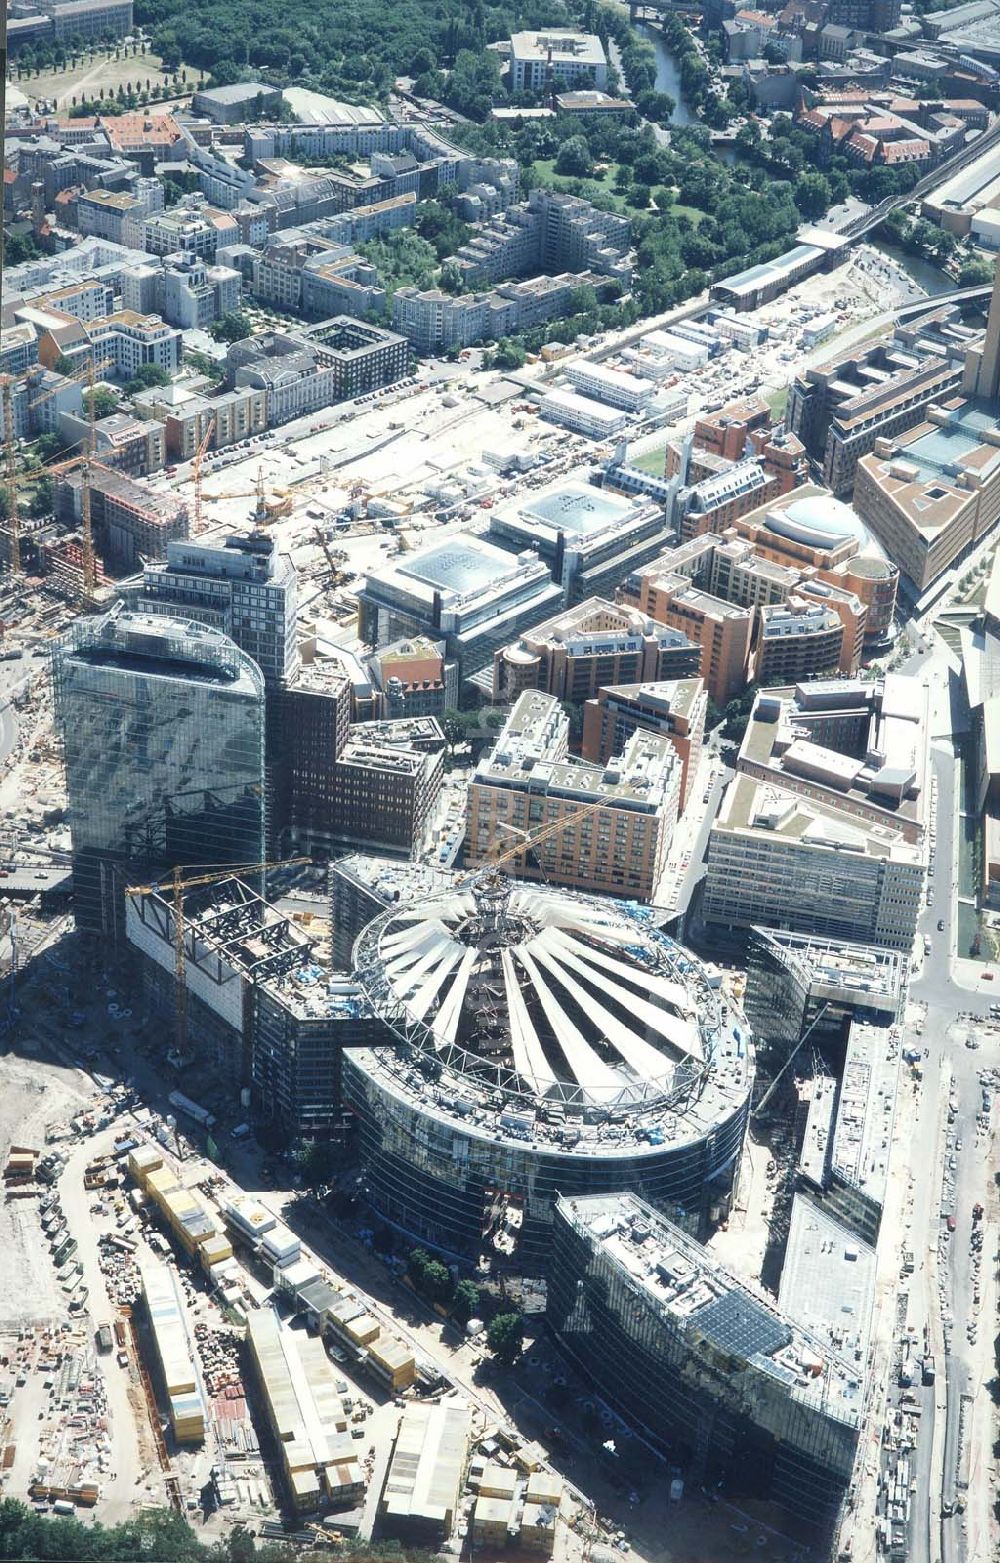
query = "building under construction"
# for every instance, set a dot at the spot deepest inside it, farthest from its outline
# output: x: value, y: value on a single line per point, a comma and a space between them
x: 131, y: 522
x: 801, y: 984
x: 540, y: 1042
x: 262, y: 1008
x: 162, y: 726
x: 741, y: 1395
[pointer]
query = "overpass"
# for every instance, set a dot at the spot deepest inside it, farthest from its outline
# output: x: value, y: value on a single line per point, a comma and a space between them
x: 952, y: 165
x: 980, y: 293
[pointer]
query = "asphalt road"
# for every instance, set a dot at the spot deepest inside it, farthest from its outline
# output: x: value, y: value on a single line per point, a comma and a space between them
x: 8, y: 731
x: 933, y: 1536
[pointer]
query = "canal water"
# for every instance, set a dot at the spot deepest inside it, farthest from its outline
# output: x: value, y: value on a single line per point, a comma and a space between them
x: 923, y: 273
x: 668, y: 80
x: 667, y: 76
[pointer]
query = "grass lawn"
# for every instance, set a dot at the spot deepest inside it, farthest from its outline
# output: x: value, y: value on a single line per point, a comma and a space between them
x: 604, y: 185
x: 777, y: 401
x: 93, y: 73
x: 652, y: 461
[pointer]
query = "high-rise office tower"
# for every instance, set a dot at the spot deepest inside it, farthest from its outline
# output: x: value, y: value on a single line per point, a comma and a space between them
x: 243, y: 586
x: 248, y: 589
x: 162, y: 723
x: 982, y: 363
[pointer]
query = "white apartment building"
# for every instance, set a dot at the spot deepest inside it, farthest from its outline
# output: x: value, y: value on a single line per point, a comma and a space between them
x: 583, y: 415
x: 559, y: 55
x: 611, y: 386
x: 822, y: 828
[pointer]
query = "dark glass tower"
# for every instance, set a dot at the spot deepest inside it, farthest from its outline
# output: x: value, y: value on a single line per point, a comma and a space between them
x: 162, y: 722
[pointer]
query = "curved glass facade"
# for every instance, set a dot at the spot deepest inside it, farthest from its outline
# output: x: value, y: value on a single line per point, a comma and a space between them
x: 704, y: 1373
x: 441, y: 1180
x: 162, y: 723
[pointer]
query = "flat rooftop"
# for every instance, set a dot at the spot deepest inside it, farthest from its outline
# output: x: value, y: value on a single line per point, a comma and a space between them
x: 392, y: 881
x: 866, y: 1109
x: 848, y: 744
x: 678, y: 1278
x: 828, y: 1281
x: 463, y: 565
x: 578, y: 508
x: 817, y: 1141
x: 751, y: 805
x: 529, y: 755
x: 923, y: 474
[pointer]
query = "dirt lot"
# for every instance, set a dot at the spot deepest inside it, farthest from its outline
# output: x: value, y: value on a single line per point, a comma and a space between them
x: 30, y: 1097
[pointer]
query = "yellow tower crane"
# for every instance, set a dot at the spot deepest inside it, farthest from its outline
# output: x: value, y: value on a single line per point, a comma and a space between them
x: 533, y: 839
x: 177, y: 884
x: 87, y: 461
x: 199, y: 457
x: 10, y: 470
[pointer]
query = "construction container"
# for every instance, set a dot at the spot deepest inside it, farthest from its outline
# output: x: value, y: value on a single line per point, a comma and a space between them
x: 159, y: 1181
x: 142, y: 1161
x: 173, y: 1349
x: 214, y: 1250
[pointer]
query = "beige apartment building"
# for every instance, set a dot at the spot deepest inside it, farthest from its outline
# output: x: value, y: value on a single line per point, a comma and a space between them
x: 675, y: 709
x: 529, y: 782
x: 750, y: 615
x: 594, y: 643
x: 935, y: 492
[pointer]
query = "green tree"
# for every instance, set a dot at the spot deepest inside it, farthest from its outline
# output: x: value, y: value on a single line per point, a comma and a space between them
x: 146, y: 377
x: 19, y: 247
x: 453, y: 727
x: 508, y: 354
x: 975, y: 271
x: 49, y: 446
x: 574, y: 158
x: 812, y: 195
x: 41, y: 500
x: 439, y: 225
x: 100, y: 402
x: 466, y: 1304
x: 505, y: 1336
x: 317, y: 1163
x: 436, y: 1282
x: 232, y: 327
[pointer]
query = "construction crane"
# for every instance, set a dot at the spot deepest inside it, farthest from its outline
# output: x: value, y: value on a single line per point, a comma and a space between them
x: 534, y: 839
x: 177, y: 884
x: 89, y: 562
x: 337, y: 573
x: 86, y: 527
x: 199, y: 457
x: 10, y: 467
x: 265, y: 510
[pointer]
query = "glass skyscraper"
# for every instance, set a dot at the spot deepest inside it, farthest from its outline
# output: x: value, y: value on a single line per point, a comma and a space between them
x: 163, y: 727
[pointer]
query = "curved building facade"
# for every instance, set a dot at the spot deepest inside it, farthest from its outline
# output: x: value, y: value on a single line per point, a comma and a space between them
x: 542, y: 1043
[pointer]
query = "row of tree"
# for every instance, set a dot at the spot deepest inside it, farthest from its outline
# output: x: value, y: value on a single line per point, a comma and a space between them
x: 163, y: 1537
x: 435, y: 1282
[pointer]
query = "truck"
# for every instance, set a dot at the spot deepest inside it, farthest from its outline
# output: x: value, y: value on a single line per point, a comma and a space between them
x: 64, y: 1252
x: 928, y: 1371
x: 190, y: 1109
x: 105, y: 1340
